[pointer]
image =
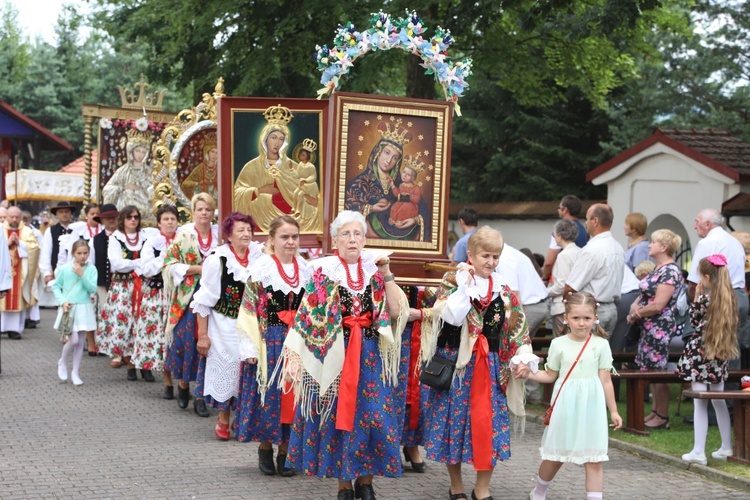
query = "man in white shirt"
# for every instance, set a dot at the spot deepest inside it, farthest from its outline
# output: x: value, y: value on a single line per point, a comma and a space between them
x: 598, y: 269
x: 716, y: 240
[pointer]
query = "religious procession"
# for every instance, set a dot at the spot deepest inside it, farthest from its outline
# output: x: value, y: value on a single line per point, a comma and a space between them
x: 288, y: 268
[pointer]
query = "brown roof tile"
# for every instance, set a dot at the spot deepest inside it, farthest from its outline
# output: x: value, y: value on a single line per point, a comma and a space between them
x: 716, y: 144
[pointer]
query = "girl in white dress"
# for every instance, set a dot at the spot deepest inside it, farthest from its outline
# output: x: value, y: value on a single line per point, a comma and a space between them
x: 577, y: 430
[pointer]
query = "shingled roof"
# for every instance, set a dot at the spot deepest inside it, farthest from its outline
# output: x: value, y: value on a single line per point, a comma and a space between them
x: 716, y: 149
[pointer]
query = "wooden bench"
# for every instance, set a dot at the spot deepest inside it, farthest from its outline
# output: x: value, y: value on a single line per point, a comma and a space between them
x: 741, y: 420
x: 636, y: 381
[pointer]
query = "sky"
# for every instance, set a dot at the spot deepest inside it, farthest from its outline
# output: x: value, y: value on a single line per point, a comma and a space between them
x: 39, y: 17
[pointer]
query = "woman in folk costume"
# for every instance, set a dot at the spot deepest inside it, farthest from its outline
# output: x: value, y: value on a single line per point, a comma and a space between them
x: 116, y: 336
x: 272, y: 296
x: 216, y: 306
x: 183, y: 266
x: 148, y: 353
x: 478, y: 323
x: 342, y: 355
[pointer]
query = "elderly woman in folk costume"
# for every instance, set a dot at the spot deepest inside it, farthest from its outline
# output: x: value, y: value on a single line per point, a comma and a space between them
x: 478, y: 323
x: 272, y: 296
x: 216, y: 306
x: 342, y: 356
x: 148, y: 353
x: 183, y: 266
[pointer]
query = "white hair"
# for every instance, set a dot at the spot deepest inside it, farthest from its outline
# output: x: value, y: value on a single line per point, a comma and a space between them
x: 344, y: 218
x: 712, y: 216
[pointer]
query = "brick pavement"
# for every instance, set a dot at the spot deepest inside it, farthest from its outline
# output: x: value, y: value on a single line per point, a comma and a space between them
x: 111, y: 438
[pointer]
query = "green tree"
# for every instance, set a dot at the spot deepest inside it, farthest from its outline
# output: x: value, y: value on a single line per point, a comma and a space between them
x: 14, y: 54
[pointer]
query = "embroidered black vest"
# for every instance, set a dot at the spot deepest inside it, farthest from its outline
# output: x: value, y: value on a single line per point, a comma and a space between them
x: 56, y: 231
x: 230, y: 295
x: 101, y: 262
x: 280, y: 301
x: 126, y: 254
x: 156, y: 282
x: 346, y: 298
x: 492, y: 325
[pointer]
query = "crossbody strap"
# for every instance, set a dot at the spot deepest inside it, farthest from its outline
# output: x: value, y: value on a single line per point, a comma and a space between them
x: 571, y: 369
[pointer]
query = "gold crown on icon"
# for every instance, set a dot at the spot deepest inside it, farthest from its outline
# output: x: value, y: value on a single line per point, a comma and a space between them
x: 394, y: 133
x: 414, y: 163
x: 278, y: 115
x: 140, y: 138
x: 309, y: 145
x: 210, y: 138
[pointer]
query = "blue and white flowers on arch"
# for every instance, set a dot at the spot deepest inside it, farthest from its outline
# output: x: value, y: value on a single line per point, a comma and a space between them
x: 386, y: 33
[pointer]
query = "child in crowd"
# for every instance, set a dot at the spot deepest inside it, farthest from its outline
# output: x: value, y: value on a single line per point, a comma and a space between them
x: 577, y: 429
x: 644, y: 269
x: 704, y: 360
x: 407, y: 193
x: 74, y: 283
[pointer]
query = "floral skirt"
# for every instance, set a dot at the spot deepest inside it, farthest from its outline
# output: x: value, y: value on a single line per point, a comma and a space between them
x: 317, y: 448
x: 653, y: 344
x: 410, y: 436
x: 255, y: 422
x: 114, y: 334
x: 182, y: 355
x: 448, y: 414
x: 148, y: 352
x: 694, y: 367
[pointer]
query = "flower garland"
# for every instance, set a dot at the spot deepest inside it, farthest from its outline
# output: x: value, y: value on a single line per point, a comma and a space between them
x: 141, y: 124
x: 386, y: 33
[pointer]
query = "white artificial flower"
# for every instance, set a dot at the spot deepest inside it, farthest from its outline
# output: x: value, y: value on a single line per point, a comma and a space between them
x: 141, y: 124
x: 105, y: 123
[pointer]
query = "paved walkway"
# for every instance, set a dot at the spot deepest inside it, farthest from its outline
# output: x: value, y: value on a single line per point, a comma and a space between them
x: 111, y: 438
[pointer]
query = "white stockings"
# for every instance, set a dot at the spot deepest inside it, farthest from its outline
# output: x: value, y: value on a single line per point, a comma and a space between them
x: 700, y: 419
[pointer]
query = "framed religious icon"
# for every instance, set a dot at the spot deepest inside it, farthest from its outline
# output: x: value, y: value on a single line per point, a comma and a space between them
x: 391, y: 160
x: 272, y: 156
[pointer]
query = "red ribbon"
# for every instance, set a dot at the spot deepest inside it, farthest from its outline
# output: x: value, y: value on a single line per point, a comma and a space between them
x: 412, y: 385
x: 481, y: 407
x: 287, y: 396
x: 350, y: 373
x: 137, y: 292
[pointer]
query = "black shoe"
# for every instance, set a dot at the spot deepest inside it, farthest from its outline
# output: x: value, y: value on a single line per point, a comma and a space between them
x: 14, y: 335
x: 147, y: 376
x: 168, y: 392
x: 474, y: 497
x: 420, y: 467
x: 688, y: 420
x: 364, y: 491
x: 345, y: 495
x: 284, y: 471
x: 456, y: 496
x: 183, y: 397
x: 200, y: 408
x: 30, y: 323
x: 265, y: 462
x: 132, y: 374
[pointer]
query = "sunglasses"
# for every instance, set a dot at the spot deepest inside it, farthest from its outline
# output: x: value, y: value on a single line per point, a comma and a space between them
x: 133, y: 217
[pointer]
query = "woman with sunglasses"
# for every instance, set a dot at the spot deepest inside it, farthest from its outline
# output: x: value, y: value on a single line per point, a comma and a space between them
x: 117, y: 338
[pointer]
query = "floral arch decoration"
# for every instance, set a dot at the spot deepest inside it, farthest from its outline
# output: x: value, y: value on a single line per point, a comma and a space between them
x: 386, y: 33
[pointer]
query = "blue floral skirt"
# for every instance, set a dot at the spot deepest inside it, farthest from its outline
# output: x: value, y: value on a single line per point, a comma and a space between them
x: 318, y: 449
x: 200, y: 378
x: 448, y: 413
x: 182, y: 355
x: 409, y: 437
x: 255, y: 422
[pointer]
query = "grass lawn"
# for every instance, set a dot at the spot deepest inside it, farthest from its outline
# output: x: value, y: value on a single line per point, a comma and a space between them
x: 676, y: 440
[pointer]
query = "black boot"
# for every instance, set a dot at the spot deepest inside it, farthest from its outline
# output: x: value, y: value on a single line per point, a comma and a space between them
x: 364, y: 491
x: 284, y: 471
x: 183, y: 397
x: 132, y: 374
x: 200, y: 408
x: 265, y: 462
x: 147, y: 376
x: 168, y: 392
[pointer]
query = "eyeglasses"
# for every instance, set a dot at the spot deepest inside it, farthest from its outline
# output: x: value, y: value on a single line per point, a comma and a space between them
x: 349, y: 234
x: 133, y: 217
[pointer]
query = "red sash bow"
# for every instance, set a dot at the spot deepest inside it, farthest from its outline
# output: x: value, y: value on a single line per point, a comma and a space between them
x: 481, y: 407
x: 412, y: 385
x: 135, y: 307
x: 287, y: 395
x: 350, y: 373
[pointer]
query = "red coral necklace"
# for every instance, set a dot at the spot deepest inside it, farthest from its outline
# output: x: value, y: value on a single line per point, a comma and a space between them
x: 484, y: 302
x: 245, y: 260
x: 132, y: 241
x: 292, y: 281
x: 205, y: 246
x: 359, y: 284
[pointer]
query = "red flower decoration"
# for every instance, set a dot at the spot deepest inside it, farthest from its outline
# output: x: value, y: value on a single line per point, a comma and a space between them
x: 312, y: 299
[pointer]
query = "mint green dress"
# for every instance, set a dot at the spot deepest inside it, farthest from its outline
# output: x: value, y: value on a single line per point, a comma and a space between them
x: 578, y: 429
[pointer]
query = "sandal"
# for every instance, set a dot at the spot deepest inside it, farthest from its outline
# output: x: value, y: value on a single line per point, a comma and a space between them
x: 650, y: 416
x: 456, y: 496
x: 663, y: 425
x: 115, y: 362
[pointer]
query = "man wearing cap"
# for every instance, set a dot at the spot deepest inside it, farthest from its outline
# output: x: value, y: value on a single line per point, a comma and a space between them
x: 51, y: 241
x: 99, y: 245
x: 24, y: 258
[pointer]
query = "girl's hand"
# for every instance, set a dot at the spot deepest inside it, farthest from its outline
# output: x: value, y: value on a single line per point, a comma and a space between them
x: 616, y: 420
x: 521, y: 370
x: 66, y: 306
x: 291, y: 372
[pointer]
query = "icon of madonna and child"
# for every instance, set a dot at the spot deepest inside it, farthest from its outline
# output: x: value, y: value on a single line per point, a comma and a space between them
x: 274, y: 184
x: 388, y: 193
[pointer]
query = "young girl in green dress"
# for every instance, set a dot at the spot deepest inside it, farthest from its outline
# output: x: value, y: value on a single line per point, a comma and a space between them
x: 74, y: 283
x: 577, y: 430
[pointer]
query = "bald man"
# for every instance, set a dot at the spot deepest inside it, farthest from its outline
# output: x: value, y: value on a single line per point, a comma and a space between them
x: 24, y: 263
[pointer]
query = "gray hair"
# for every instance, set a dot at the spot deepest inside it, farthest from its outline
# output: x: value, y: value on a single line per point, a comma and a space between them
x: 712, y: 216
x: 566, y: 229
x: 344, y: 218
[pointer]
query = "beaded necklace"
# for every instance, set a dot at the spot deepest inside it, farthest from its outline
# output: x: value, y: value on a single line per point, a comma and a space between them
x: 292, y: 281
